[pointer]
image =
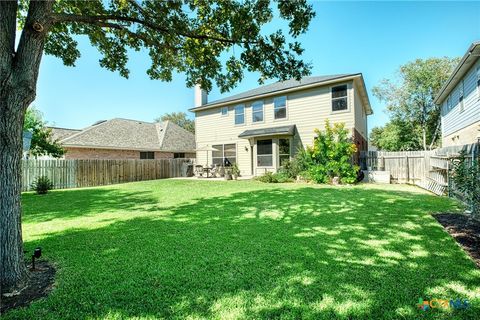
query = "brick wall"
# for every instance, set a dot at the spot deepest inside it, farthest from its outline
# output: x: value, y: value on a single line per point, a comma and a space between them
x: 361, y: 143
x: 110, y: 154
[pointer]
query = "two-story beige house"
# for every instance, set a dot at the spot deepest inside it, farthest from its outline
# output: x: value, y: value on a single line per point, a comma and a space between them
x: 260, y: 128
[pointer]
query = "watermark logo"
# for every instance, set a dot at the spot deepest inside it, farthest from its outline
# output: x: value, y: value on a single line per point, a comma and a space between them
x: 442, y: 304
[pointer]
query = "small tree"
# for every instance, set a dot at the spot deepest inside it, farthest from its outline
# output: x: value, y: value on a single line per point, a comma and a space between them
x: 331, y: 155
x: 42, y: 140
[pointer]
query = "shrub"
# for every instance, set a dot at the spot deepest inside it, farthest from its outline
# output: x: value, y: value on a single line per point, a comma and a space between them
x: 42, y: 184
x: 298, y: 165
x: 270, y: 177
x: 466, y: 179
x: 235, y: 170
x: 331, y: 155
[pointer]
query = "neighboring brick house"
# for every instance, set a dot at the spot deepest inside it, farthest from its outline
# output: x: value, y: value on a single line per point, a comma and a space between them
x: 126, y: 139
x: 261, y: 128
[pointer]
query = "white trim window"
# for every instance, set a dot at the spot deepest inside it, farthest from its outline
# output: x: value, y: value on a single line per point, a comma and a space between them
x: 478, y: 83
x: 283, y: 151
x: 280, y: 108
x: 240, y: 114
x: 340, y: 98
x: 257, y: 111
x: 264, y: 153
x: 226, y: 154
x: 224, y: 111
x: 460, y: 97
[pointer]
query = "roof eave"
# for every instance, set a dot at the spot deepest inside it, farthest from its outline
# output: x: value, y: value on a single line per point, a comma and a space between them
x: 125, y: 148
x: 269, y: 94
x: 441, y: 96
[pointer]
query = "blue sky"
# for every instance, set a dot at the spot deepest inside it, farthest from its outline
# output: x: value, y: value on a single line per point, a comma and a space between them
x: 374, y: 38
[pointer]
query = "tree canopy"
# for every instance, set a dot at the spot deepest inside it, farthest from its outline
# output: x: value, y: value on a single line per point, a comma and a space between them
x: 186, y: 36
x: 179, y: 118
x: 415, y: 119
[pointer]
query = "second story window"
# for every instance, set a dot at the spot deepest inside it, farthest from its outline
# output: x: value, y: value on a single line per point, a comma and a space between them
x: 240, y: 114
x: 224, y: 111
x: 449, y: 104
x: 280, y: 108
x: 257, y: 111
x: 339, y: 98
x: 460, y: 97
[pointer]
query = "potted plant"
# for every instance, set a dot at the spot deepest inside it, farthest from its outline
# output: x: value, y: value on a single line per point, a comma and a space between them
x: 228, y: 174
x: 235, y: 171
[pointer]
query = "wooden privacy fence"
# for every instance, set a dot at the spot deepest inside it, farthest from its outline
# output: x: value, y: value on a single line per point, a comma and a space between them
x: 404, y: 166
x: 427, y: 169
x: 89, y: 173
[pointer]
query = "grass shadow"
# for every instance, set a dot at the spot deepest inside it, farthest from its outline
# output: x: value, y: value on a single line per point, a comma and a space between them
x: 263, y: 252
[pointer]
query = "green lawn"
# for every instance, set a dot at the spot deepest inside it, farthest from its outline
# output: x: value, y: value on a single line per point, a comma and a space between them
x: 243, y: 249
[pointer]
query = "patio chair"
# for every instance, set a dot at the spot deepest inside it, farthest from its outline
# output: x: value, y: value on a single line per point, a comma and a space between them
x: 198, y: 170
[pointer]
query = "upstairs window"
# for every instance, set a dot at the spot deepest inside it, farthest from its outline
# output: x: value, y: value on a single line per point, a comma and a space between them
x: 240, y: 114
x: 178, y: 155
x: 224, y: 111
x: 449, y: 104
x: 280, y: 108
x: 460, y: 97
x: 147, y: 155
x: 339, y: 98
x: 257, y: 111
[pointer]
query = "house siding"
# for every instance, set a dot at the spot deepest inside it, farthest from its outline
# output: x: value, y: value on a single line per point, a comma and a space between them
x: 360, y: 115
x: 455, y: 121
x: 307, y: 109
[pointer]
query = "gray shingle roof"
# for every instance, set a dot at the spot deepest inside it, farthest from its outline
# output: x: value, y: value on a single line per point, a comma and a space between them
x: 274, y: 87
x: 133, y: 135
x: 62, y: 133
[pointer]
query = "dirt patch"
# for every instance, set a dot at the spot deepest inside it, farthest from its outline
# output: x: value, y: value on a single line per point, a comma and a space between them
x: 465, y: 230
x: 40, y: 284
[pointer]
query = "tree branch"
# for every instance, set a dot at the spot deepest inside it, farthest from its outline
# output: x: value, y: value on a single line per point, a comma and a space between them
x: 135, y: 35
x: 62, y: 17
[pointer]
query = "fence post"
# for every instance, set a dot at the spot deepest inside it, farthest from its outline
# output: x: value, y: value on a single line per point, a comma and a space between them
x: 407, y: 169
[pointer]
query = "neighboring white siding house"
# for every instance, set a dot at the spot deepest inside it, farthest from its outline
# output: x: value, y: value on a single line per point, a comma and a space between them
x: 260, y: 128
x: 459, y: 99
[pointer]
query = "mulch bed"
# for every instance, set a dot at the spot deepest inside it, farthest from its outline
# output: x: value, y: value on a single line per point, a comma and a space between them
x: 39, y: 285
x: 465, y: 230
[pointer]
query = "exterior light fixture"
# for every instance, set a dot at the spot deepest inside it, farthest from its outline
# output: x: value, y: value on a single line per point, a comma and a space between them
x: 37, y: 253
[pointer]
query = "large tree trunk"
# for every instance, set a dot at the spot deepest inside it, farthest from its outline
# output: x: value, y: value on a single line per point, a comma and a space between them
x: 12, y: 268
x: 18, y: 80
